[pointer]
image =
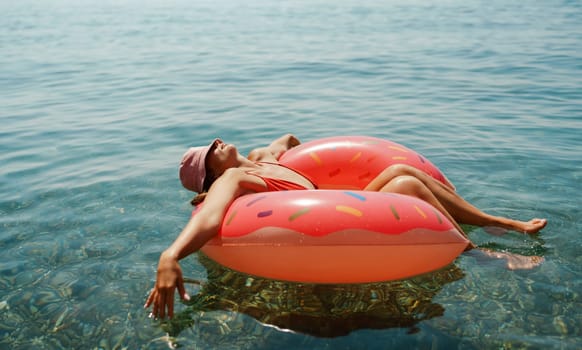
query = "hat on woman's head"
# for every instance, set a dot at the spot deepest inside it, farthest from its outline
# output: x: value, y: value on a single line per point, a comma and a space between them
x: 193, y: 167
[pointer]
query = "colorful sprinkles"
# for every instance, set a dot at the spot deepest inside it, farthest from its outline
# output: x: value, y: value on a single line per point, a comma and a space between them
x: 394, y: 212
x: 265, y: 213
x: 364, y: 175
x: 398, y: 149
x: 316, y: 158
x: 438, y: 215
x: 356, y: 195
x: 334, y: 172
x: 348, y: 210
x: 420, y: 212
x: 229, y: 220
x: 298, y: 213
x: 256, y: 200
x: 354, y: 158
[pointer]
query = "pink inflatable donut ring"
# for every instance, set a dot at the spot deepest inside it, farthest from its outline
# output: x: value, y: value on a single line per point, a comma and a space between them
x: 351, y: 162
x: 335, y: 236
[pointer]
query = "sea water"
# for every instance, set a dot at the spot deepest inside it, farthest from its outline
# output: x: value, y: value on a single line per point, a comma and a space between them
x: 99, y: 99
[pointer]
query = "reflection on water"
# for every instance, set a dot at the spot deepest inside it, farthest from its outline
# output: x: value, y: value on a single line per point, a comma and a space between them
x: 317, y: 309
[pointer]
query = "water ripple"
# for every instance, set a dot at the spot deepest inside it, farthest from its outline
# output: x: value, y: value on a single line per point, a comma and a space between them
x: 100, y: 99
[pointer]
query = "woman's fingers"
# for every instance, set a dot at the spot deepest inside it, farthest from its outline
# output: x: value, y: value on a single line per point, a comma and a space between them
x: 162, y: 301
x: 169, y: 278
x: 156, y: 308
x: 162, y: 307
x: 170, y: 304
x: 166, y: 302
x: 182, y: 290
x: 149, y: 299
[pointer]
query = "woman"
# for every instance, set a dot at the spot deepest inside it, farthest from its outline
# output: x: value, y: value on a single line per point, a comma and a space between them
x: 220, y: 175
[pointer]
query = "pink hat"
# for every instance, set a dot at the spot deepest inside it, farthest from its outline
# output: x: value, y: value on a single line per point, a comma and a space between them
x: 193, y: 167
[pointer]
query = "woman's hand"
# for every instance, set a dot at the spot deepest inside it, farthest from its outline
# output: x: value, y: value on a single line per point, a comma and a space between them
x: 200, y: 229
x: 275, y: 150
x: 292, y: 141
x: 169, y: 278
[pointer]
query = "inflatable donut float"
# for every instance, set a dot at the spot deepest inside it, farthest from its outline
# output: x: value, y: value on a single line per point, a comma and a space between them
x: 336, y: 236
x: 351, y: 162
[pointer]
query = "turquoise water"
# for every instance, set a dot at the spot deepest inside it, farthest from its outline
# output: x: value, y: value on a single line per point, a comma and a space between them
x: 100, y: 99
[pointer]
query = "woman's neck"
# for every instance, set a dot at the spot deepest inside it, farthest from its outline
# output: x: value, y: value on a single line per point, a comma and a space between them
x: 240, y: 162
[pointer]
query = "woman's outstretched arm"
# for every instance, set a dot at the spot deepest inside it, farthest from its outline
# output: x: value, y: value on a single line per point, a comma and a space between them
x: 199, y: 230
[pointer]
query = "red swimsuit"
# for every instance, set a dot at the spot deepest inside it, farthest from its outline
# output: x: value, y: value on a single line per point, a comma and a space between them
x: 282, y: 185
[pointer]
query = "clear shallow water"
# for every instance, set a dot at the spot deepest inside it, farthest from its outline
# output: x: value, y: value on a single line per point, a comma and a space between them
x: 99, y: 101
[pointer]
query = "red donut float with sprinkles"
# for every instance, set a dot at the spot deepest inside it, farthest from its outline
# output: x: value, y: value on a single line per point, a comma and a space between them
x: 341, y: 235
x: 351, y: 162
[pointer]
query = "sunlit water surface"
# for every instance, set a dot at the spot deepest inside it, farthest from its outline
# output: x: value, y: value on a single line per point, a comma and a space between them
x: 99, y: 99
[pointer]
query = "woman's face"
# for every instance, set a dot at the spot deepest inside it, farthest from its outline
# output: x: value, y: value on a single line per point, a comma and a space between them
x: 220, y: 157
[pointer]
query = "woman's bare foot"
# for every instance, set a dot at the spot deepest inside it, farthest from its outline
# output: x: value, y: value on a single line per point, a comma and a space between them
x: 515, y: 261
x: 532, y: 226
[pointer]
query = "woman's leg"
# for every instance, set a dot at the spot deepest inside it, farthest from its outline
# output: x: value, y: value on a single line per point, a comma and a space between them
x: 457, y: 208
x: 412, y: 186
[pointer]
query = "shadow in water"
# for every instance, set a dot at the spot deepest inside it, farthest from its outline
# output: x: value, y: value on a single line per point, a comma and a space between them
x: 318, y: 309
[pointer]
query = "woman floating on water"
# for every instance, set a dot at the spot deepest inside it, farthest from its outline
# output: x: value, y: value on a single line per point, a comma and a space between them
x: 219, y: 174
